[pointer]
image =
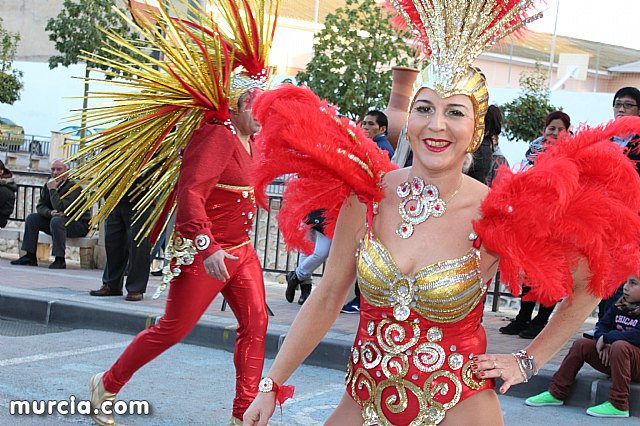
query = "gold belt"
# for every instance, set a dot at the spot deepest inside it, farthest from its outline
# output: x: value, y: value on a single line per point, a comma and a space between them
x: 244, y: 191
x: 237, y: 246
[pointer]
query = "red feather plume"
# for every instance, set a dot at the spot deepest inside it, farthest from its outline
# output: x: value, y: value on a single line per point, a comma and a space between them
x: 580, y: 200
x: 329, y: 156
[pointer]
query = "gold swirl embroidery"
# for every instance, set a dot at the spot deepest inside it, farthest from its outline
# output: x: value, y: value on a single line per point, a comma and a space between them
x: 349, y: 373
x: 398, y: 363
x: 398, y: 402
x: 429, y: 357
x: 468, y: 377
x: 392, y: 340
x: 384, y: 386
x: 362, y: 379
x: 370, y: 355
x: 442, y: 388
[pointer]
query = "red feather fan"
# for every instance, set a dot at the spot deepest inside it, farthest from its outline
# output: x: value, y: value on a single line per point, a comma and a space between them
x: 580, y: 200
x: 335, y: 161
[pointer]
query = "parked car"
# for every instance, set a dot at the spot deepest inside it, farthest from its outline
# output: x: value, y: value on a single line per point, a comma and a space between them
x: 10, y: 133
x: 74, y: 131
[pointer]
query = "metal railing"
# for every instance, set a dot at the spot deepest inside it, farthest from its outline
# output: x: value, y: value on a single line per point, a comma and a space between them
x: 35, y: 147
x: 26, y: 201
x: 268, y: 240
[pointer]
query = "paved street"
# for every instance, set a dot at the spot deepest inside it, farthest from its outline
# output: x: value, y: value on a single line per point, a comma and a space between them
x: 188, y: 385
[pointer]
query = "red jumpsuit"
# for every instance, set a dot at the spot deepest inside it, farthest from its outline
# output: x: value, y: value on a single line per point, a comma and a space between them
x: 215, y: 206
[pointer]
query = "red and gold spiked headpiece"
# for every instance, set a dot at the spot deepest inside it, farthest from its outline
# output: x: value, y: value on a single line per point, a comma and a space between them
x: 162, y: 100
x: 453, y: 33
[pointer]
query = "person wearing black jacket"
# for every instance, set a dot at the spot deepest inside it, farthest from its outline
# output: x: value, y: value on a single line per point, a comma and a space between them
x: 124, y: 253
x: 8, y: 189
x: 55, y: 197
x: 483, y: 157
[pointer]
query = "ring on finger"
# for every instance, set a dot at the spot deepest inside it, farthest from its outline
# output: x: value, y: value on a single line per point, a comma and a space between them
x: 501, y: 373
x: 495, y: 365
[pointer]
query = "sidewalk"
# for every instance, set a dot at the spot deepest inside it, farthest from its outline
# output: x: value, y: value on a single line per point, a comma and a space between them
x: 61, y: 297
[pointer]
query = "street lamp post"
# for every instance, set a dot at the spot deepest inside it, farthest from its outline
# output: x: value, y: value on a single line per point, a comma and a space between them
x: 553, y: 42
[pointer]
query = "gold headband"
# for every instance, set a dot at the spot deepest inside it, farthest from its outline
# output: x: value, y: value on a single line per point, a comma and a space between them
x: 472, y: 84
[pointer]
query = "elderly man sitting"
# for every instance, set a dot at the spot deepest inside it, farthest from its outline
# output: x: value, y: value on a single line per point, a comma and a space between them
x: 50, y: 218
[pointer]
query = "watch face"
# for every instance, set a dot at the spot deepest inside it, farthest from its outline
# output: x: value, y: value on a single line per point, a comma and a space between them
x: 527, y: 364
x: 265, y: 385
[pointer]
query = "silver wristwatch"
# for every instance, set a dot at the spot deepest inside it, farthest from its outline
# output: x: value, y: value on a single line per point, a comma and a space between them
x: 528, y: 363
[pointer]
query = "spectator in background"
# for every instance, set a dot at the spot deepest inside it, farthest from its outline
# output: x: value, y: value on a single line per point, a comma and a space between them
x: 403, y: 156
x: 523, y: 325
x: 8, y: 189
x: 307, y: 264
x: 55, y: 197
x: 497, y: 159
x: 554, y: 123
x: 483, y: 157
x: 626, y: 102
x: 124, y: 252
x: 615, y: 352
x: 375, y: 125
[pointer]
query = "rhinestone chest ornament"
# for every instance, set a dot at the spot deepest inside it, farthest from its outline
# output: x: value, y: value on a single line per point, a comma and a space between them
x: 418, y: 203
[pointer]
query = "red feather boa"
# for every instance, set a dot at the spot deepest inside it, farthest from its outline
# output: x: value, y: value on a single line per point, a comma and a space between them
x: 580, y: 200
x: 330, y: 156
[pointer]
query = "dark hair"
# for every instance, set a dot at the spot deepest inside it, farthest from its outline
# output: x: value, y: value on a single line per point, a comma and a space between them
x: 1, y: 165
x: 493, y: 121
x: 381, y: 118
x: 630, y: 92
x: 557, y: 115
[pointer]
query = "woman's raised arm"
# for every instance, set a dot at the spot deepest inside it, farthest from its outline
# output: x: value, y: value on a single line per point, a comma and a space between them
x: 319, y: 311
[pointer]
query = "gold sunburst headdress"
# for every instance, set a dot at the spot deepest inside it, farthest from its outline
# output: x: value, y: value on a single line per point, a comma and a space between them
x: 453, y: 33
x: 176, y: 77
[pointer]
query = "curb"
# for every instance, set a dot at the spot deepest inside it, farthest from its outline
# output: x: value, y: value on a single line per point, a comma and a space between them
x: 591, y: 387
x: 330, y: 353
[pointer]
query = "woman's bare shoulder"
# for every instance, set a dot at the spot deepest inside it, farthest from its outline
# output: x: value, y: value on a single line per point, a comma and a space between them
x: 476, y: 191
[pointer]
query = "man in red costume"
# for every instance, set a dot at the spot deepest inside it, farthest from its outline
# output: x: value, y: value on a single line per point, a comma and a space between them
x: 214, y: 217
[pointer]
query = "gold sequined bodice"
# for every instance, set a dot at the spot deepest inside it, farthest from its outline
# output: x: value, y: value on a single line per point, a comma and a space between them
x: 443, y: 292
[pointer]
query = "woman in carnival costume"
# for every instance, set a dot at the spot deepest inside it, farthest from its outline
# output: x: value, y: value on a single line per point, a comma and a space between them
x: 426, y: 240
x: 193, y: 95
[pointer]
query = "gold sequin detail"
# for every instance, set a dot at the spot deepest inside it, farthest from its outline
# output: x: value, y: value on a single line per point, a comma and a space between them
x: 383, y: 380
x: 468, y: 377
x: 443, y: 292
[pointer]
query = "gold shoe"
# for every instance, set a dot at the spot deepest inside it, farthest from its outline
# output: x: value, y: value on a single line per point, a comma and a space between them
x: 234, y: 421
x: 99, y: 395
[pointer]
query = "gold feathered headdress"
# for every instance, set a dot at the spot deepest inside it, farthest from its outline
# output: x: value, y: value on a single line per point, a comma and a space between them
x: 176, y: 77
x: 453, y: 33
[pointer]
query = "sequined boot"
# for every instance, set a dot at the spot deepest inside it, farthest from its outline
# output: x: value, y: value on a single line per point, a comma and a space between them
x: 99, y: 395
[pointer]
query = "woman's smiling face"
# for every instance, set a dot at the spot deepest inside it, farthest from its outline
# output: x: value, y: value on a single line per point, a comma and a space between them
x: 440, y: 129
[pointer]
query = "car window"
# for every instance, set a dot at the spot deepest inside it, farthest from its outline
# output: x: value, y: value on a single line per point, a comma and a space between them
x: 7, y: 121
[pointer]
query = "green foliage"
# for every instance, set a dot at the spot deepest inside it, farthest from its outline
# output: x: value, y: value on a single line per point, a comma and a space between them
x: 76, y: 30
x: 10, y: 84
x: 524, y: 116
x: 352, y: 57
